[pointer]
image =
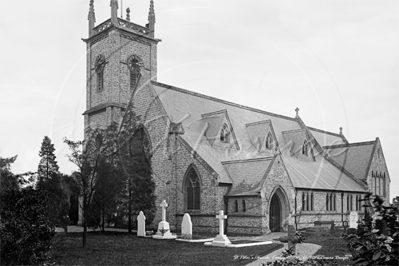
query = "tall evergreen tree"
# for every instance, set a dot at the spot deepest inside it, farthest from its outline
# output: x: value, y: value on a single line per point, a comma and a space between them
x: 48, y: 164
x: 50, y: 182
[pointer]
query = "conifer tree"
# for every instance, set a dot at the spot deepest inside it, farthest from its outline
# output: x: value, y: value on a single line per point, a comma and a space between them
x: 48, y: 164
x: 51, y: 183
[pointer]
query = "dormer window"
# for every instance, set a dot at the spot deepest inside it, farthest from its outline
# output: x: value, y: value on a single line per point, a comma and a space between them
x: 99, y: 67
x: 269, y: 141
x: 225, y: 134
x: 305, y: 148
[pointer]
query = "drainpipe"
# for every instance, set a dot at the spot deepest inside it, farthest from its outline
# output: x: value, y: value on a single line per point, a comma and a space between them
x: 342, y: 209
x: 296, y: 225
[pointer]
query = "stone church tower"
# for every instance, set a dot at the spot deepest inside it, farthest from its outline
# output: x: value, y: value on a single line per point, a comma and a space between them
x: 120, y: 55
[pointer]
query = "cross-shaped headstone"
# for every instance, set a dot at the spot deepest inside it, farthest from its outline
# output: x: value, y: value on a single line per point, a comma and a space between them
x: 221, y: 217
x: 163, y: 205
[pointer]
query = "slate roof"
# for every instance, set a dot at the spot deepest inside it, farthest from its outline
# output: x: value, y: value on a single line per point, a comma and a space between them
x: 325, y: 138
x: 248, y: 175
x: 354, y: 157
x: 232, y: 164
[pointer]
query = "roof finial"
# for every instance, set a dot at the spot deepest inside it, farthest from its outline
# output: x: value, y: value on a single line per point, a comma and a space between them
x: 340, y: 130
x: 128, y: 14
x: 297, y: 111
x: 91, y: 17
x: 114, y: 12
x: 151, y: 19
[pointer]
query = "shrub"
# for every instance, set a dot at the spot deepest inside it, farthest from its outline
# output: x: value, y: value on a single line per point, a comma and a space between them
x: 25, y: 230
x: 376, y: 243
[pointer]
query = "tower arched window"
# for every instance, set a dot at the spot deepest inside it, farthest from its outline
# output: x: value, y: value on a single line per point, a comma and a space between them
x: 269, y: 141
x: 236, y: 206
x: 99, y: 67
x: 133, y: 63
x: 305, y: 147
x: 244, y: 206
x: 225, y: 134
x: 193, y: 190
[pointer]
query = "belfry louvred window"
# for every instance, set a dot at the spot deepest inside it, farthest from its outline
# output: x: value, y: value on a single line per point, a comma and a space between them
x: 133, y: 63
x: 193, y: 190
x: 99, y: 67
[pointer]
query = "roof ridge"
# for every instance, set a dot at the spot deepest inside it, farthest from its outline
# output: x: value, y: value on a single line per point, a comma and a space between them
x: 220, y: 112
x: 166, y: 86
x: 324, y: 131
x: 350, y: 144
x: 294, y: 130
x: 258, y: 123
x: 248, y: 160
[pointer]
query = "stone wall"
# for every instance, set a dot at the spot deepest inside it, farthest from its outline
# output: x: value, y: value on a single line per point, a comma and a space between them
x: 278, y: 180
x: 378, y: 169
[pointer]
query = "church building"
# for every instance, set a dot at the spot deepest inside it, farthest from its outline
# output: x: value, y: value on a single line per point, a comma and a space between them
x: 264, y: 170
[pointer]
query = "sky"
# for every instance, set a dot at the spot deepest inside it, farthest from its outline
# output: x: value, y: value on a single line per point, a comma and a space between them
x: 337, y: 61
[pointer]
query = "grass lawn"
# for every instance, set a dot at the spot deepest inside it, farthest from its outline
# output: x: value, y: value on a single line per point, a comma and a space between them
x: 124, y: 249
x: 332, y: 246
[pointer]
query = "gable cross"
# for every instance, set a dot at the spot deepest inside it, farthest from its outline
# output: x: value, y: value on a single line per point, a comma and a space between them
x: 297, y: 111
x: 221, y: 217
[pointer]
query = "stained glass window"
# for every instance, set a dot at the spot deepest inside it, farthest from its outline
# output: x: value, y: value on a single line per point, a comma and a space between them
x: 193, y: 189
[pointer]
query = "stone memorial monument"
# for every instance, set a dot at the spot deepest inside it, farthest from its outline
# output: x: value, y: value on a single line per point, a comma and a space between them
x: 163, y: 226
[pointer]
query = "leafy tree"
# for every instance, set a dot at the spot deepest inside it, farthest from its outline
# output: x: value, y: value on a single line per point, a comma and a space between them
x: 376, y: 243
x: 25, y: 230
x: 109, y: 184
x: 8, y: 181
x: 87, y: 155
x: 135, y: 163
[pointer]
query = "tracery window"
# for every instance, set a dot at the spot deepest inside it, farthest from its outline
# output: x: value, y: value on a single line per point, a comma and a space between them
x: 99, y: 68
x: 133, y: 63
x: 331, y: 200
x: 225, y: 134
x: 307, y: 201
x: 193, y: 191
x: 349, y: 202
x: 269, y: 141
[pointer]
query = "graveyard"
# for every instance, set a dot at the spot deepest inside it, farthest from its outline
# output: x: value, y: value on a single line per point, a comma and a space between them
x: 165, y: 247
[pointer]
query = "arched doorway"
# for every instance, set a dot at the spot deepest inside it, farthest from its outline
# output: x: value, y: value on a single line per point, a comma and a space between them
x: 279, y: 210
x: 275, y: 214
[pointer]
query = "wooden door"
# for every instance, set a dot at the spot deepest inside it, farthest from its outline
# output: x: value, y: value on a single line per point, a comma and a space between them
x: 275, y: 214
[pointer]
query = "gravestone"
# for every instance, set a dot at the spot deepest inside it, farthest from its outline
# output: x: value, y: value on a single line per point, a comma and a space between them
x: 291, y: 239
x: 163, y: 226
x: 353, y: 219
x: 141, y: 224
x: 221, y: 239
x: 187, y: 225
